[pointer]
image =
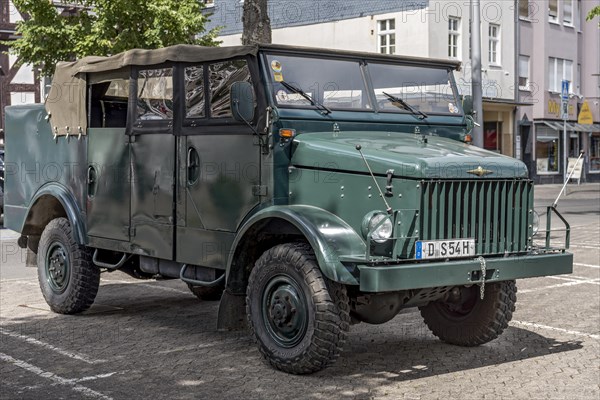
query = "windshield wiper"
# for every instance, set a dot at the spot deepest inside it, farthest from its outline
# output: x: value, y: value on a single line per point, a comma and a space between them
x: 324, y: 109
x: 398, y: 102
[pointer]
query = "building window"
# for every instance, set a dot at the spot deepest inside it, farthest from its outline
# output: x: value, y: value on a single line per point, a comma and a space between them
x: 453, y: 37
x: 524, y: 9
x: 387, y: 36
x: 524, y: 66
x: 494, y: 50
x: 595, y: 152
x: 492, y: 134
x: 553, y: 10
x: 547, y: 150
x: 568, y: 12
x: 559, y: 70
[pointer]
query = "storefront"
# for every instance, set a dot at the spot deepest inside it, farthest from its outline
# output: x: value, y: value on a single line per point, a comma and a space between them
x: 593, y: 154
x: 545, y: 151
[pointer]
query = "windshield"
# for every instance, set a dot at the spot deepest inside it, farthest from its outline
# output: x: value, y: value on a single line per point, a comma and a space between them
x: 340, y: 84
x: 425, y: 89
x: 336, y: 84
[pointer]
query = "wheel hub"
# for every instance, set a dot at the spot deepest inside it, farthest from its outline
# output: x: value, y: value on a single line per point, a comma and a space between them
x: 283, y: 306
x: 57, y: 267
x: 284, y: 311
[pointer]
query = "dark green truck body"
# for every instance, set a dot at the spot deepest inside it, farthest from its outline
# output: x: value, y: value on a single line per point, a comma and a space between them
x: 214, y: 193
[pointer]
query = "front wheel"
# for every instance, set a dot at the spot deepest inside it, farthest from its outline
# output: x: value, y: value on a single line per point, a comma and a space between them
x: 68, y: 279
x: 298, y: 317
x: 466, y: 320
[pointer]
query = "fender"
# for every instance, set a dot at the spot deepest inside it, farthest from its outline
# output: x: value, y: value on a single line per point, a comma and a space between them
x: 68, y: 203
x: 330, y: 237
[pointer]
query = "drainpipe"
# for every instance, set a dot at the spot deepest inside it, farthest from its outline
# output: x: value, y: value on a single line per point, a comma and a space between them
x: 476, y: 71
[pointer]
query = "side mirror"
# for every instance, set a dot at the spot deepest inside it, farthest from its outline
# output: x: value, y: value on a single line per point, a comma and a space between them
x: 242, y: 101
x: 470, y: 123
x: 467, y: 104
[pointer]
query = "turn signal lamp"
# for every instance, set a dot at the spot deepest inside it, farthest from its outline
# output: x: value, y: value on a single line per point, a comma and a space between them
x: 287, y: 133
x: 468, y: 138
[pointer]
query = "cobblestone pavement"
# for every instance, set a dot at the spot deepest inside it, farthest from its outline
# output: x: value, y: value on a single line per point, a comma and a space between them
x: 153, y: 339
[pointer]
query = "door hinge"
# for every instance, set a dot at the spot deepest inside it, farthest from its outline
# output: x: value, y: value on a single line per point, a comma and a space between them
x: 259, y: 190
x: 130, y: 231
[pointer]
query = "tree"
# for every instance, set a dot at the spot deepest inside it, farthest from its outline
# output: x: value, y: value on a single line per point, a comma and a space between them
x: 257, y: 25
x: 595, y: 12
x: 105, y: 27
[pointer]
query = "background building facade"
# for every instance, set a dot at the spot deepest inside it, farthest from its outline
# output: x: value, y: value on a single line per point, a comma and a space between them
x: 528, y: 47
x: 423, y: 28
x: 556, y: 43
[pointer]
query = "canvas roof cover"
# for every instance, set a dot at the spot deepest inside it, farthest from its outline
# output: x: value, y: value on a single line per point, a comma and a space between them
x: 66, y: 101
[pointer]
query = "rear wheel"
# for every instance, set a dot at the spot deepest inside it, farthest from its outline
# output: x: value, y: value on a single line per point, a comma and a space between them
x: 466, y: 320
x: 298, y: 317
x: 67, y: 277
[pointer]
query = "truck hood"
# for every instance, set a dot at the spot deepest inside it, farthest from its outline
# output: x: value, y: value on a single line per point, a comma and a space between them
x: 410, y: 156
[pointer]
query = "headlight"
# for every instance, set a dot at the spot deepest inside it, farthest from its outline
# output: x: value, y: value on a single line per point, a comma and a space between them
x: 379, y: 225
x: 535, y: 223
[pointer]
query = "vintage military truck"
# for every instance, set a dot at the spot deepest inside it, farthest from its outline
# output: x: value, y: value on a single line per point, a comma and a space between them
x: 310, y: 188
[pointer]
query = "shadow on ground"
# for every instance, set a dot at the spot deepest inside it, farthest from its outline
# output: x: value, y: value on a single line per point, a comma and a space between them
x: 162, y: 342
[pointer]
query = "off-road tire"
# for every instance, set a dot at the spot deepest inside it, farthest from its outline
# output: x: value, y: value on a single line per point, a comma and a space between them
x: 487, y: 319
x: 213, y: 293
x: 83, y: 276
x: 327, y: 308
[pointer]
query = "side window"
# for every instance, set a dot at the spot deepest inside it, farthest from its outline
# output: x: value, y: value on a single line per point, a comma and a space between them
x: 194, y: 92
x: 108, y: 104
x: 222, y: 75
x: 155, y: 94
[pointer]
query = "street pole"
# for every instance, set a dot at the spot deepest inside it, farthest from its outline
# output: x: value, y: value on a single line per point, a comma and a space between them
x: 476, y: 84
x: 565, y: 115
x: 565, y: 154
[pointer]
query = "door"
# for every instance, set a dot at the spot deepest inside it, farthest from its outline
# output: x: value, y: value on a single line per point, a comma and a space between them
x: 220, y: 178
x: 108, y: 172
x: 153, y: 164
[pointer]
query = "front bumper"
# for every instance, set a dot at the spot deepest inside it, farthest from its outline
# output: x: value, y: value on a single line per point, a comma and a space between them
x: 390, y: 278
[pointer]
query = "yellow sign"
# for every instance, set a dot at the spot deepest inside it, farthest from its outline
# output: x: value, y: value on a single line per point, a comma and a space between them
x: 554, y: 109
x: 585, y: 116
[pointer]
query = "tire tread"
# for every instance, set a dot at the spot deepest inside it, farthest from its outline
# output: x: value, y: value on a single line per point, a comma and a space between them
x: 332, y: 317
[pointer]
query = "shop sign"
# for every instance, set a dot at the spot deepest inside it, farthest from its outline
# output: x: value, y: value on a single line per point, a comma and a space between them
x: 585, y: 116
x: 555, y: 108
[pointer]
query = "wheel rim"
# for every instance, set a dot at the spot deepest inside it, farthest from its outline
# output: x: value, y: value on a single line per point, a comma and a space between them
x: 58, y: 268
x: 284, y: 310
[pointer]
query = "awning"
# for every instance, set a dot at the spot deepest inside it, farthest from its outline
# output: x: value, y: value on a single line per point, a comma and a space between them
x: 586, y: 128
x: 571, y: 126
x: 552, y: 125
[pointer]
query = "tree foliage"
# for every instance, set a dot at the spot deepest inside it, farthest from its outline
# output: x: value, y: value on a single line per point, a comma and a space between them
x: 595, y: 12
x: 105, y: 27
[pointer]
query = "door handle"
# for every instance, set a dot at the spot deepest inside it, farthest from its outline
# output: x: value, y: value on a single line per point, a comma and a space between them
x: 92, y: 179
x: 193, y: 166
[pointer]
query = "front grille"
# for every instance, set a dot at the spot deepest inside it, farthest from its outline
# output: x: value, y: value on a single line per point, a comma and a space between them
x: 495, y: 213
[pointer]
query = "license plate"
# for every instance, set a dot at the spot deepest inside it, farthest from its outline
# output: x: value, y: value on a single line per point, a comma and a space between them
x: 454, y: 248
